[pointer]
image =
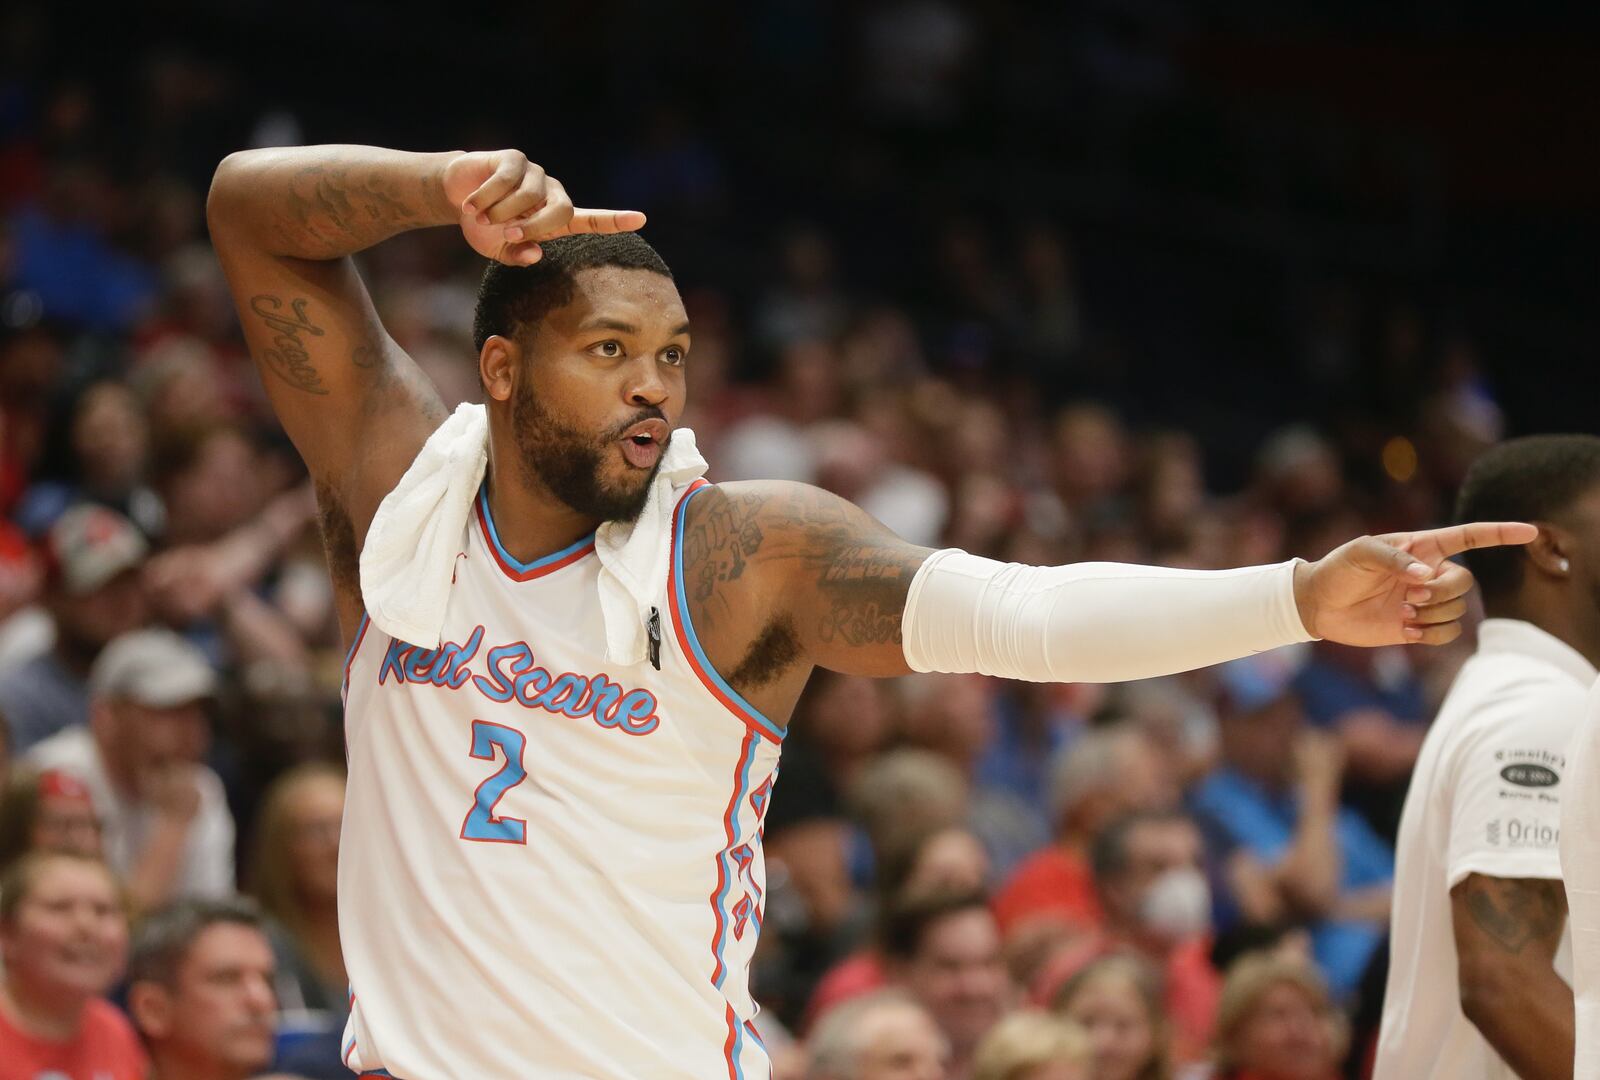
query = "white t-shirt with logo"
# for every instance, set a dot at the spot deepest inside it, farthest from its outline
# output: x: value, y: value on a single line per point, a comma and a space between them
x: 1580, y: 864
x: 1485, y: 799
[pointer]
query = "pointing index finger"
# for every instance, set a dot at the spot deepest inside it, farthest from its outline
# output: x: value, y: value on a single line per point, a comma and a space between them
x: 1458, y: 538
x: 605, y: 221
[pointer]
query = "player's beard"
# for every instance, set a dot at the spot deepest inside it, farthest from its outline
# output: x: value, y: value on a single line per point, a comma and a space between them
x: 569, y: 463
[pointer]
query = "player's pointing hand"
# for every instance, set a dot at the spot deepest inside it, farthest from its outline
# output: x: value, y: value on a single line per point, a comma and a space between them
x: 1399, y: 588
x: 508, y: 204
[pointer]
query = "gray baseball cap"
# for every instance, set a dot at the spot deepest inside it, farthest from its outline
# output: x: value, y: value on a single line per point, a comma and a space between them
x: 155, y: 668
x: 91, y: 545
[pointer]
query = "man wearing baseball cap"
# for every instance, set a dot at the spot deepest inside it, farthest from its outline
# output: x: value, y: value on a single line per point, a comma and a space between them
x: 168, y: 831
x: 93, y: 557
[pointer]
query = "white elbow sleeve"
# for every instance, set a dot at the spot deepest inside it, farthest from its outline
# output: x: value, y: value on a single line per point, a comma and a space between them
x: 1092, y: 622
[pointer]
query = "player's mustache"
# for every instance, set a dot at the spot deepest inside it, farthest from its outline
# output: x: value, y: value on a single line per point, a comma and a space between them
x: 651, y: 412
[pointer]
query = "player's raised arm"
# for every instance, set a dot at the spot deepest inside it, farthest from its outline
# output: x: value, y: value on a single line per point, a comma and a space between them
x: 863, y: 601
x: 286, y: 221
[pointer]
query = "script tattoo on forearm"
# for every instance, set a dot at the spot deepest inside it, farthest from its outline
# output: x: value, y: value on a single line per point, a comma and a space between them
x: 288, y: 357
x: 1514, y: 912
x: 343, y: 210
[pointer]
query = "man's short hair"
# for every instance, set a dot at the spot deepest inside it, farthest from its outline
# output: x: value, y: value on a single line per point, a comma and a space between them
x: 1534, y: 478
x: 908, y: 921
x: 836, y: 1043
x: 1108, y: 856
x: 164, y: 939
x: 512, y: 298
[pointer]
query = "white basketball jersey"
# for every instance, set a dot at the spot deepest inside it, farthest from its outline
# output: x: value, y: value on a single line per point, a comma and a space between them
x: 550, y: 867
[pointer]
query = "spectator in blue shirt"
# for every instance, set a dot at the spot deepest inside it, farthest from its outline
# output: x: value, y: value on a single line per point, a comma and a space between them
x: 1289, y: 850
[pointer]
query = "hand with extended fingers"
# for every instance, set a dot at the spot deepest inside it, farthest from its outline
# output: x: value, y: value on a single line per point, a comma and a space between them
x: 1396, y: 589
x: 508, y: 204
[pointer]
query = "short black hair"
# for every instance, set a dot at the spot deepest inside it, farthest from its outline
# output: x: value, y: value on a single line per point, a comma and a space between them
x: 512, y: 297
x: 1108, y: 854
x: 906, y: 924
x: 1534, y: 478
x: 164, y: 939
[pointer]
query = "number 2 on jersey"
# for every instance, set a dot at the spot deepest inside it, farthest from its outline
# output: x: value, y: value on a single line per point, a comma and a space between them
x: 482, y: 823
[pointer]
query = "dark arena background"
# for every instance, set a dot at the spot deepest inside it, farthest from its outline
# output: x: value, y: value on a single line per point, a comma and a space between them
x: 1198, y: 285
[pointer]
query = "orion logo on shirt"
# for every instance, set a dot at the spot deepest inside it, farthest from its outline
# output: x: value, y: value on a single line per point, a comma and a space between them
x: 1518, y: 833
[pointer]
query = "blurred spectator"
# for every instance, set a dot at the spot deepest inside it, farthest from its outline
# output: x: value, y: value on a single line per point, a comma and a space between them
x: 944, y: 949
x: 168, y: 830
x: 957, y: 716
x: 1116, y: 1000
x: 46, y: 811
x: 884, y: 1036
x: 1277, y: 1023
x: 63, y: 945
x: 62, y: 256
x: 946, y: 859
x: 100, y: 453
x: 294, y: 873
x: 807, y: 302
x: 1148, y: 867
x: 25, y: 629
x: 1105, y: 774
x: 1033, y: 1046
x: 200, y: 991
x: 93, y: 594
x: 1290, y: 850
x: 1373, y: 700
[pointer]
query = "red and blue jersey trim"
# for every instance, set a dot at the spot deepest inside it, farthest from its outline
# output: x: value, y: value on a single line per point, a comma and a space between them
x: 684, y: 628
x: 350, y: 657
x: 521, y: 571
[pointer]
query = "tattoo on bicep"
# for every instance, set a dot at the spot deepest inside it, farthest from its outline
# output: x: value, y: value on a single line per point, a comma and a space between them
x: 865, y: 587
x: 719, y: 545
x: 1515, y: 911
x: 287, y: 357
x: 862, y: 573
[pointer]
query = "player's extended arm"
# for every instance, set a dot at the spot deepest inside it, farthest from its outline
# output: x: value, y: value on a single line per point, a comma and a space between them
x: 863, y: 601
x: 1507, y: 931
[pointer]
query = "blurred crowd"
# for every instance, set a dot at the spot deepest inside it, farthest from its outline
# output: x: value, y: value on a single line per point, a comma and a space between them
x: 1185, y: 877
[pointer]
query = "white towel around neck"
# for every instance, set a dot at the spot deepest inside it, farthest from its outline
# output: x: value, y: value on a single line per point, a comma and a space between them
x: 410, y: 550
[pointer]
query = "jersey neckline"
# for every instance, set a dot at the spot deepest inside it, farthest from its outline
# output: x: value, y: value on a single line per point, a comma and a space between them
x: 526, y: 571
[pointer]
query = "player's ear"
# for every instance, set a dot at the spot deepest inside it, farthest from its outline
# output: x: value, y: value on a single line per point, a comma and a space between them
x: 497, y: 363
x: 1551, y: 551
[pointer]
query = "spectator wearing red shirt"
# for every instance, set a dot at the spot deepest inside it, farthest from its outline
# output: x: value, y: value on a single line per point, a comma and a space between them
x: 64, y: 941
x: 1102, y: 775
x: 1148, y: 870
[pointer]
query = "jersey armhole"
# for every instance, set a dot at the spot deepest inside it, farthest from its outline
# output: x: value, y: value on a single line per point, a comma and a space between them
x: 683, y: 628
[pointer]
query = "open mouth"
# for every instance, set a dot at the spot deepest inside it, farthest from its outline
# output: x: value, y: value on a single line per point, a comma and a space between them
x: 644, y: 443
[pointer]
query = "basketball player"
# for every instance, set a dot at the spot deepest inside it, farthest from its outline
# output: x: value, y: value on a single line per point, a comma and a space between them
x: 1478, y: 977
x: 551, y: 866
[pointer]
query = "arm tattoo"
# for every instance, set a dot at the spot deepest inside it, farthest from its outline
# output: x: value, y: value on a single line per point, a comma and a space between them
x: 719, y: 547
x: 1515, y: 911
x: 288, y: 357
x: 343, y: 212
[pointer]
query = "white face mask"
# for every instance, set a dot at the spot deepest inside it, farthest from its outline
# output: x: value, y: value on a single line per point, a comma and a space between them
x: 1177, y: 906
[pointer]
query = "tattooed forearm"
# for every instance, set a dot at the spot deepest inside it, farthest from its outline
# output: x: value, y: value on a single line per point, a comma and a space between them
x: 332, y: 210
x: 1515, y: 911
x: 325, y: 202
x: 287, y: 357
